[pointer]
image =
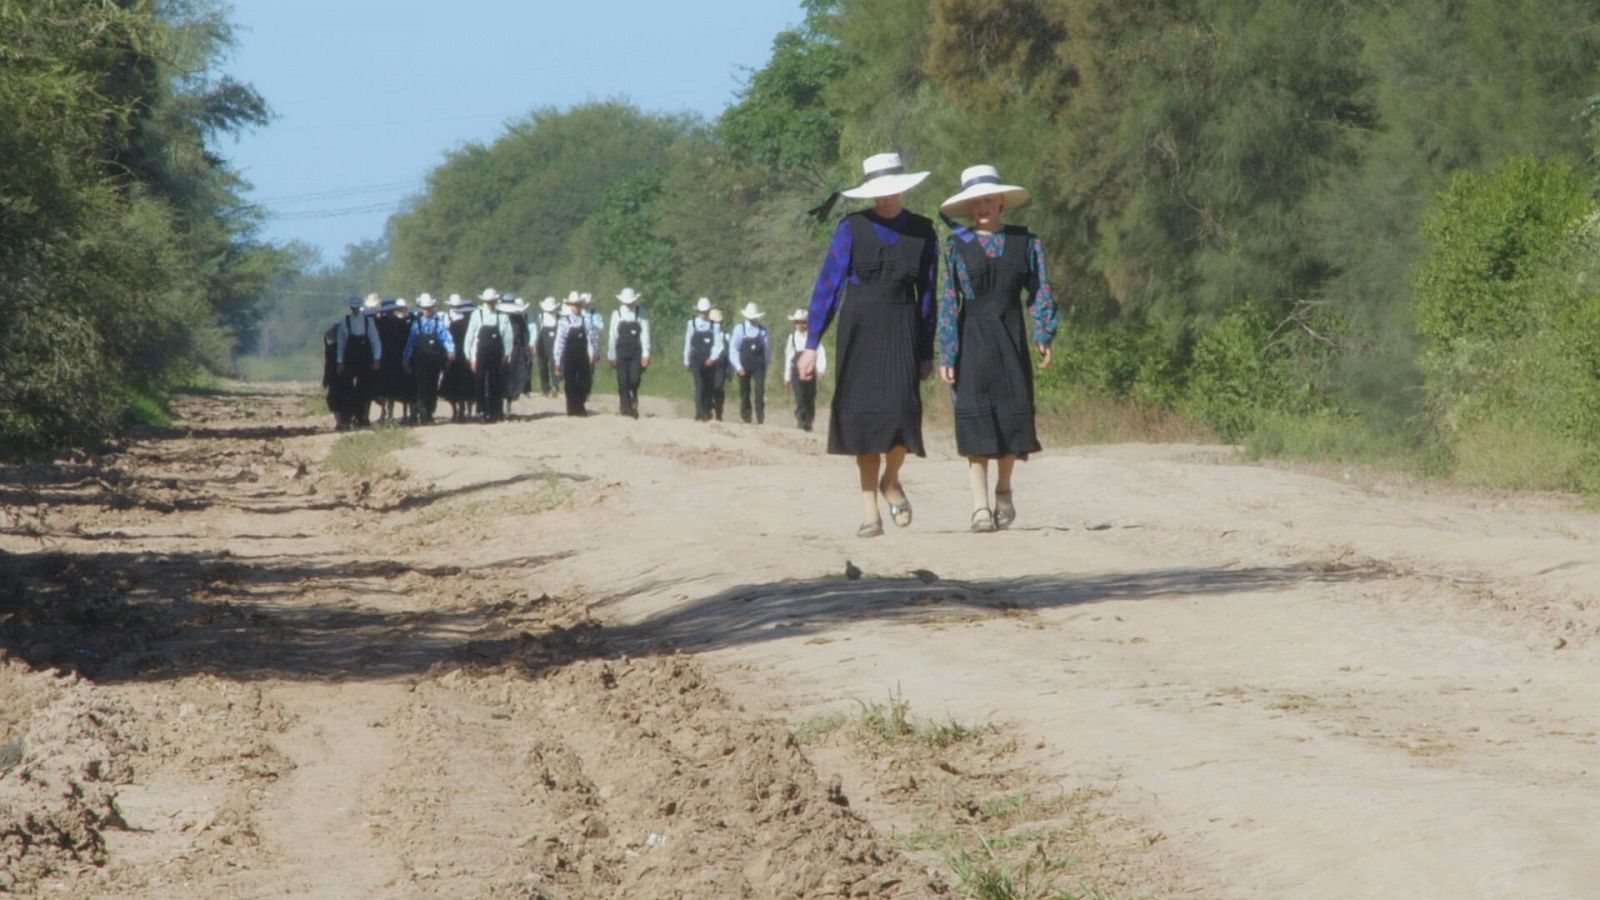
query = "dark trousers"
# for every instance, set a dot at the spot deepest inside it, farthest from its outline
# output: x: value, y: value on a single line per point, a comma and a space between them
x: 427, y: 377
x: 805, y: 401
x: 579, y: 378
x: 488, y: 389
x: 359, y: 381
x: 754, y: 381
x: 630, y: 371
x: 704, y: 387
x: 719, y: 388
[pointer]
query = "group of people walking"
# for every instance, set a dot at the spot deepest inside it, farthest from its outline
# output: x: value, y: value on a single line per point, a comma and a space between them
x: 898, y: 323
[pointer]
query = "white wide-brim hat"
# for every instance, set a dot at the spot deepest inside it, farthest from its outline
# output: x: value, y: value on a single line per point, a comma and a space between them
x: 515, y: 306
x: 400, y: 303
x: 629, y: 296
x: 489, y: 294
x: 548, y: 304
x: 373, y: 301
x: 703, y: 305
x: 716, y: 315
x: 573, y: 298
x: 982, y: 181
x: 751, y: 311
x: 426, y: 301
x: 799, y: 315
x: 456, y: 300
x: 885, y: 176
x: 586, y: 297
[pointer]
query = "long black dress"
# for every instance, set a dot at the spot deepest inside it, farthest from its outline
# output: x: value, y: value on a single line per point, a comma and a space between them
x: 994, y: 405
x: 876, y: 402
x: 393, y: 382
x: 458, y: 383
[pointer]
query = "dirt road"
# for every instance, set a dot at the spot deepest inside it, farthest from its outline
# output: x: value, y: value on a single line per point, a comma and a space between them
x: 599, y: 657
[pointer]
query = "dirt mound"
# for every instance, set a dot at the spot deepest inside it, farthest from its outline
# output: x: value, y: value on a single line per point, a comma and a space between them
x: 59, y: 792
x: 633, y: 778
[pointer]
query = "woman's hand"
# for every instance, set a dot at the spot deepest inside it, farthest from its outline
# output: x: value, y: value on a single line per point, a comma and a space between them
x: 1045, y: 356
x: 805, y: 365
x: 558, y: 371
x: 947, y: 374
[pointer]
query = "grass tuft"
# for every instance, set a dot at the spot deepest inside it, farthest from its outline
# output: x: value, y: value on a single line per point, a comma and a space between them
x: 367, y: 453
x: 891, y: 724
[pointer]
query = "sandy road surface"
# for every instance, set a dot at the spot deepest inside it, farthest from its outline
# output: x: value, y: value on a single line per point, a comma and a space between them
x: 562, y: 658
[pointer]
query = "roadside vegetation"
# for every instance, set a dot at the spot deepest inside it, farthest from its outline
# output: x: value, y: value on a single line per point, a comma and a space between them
x: 368, y: 452
x: 1337, y: 232
x: 959, y: 797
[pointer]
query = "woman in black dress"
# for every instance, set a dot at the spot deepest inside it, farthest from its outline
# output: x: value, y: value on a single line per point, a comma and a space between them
x: 458, y: 384
x: 878, y: 277
x: 984, y: 338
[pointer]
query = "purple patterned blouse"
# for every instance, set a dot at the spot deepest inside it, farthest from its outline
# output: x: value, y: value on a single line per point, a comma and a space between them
x: 956, y: 286
x: 837, y: 272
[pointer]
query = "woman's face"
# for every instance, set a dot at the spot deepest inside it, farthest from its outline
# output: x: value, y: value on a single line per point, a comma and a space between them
x: 888, y: 207
x: 987, y: 209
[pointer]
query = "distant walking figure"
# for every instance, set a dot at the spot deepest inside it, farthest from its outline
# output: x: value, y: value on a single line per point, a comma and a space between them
x: 805, y: 391
x: 429, y: 348
x: 577, y: 348
x: 702, y: 347
x: 629, y: 349
x: 489, y: 345
x: 749, y: 349
x: 879, y: 277
x: 459, y: 384
x: 544, y: 347
x: 983, y: 336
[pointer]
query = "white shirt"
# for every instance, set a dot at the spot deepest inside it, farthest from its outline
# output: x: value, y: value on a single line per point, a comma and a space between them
x: 793, y: 347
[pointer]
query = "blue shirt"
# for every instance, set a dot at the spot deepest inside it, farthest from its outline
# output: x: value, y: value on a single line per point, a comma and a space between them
x: 429, y: 325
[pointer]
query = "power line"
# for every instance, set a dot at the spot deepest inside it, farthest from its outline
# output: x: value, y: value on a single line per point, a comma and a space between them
x: 335, y: 213
x: 333, y: 193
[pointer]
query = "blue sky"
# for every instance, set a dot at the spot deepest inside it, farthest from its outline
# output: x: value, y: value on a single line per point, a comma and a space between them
x: 371, y: 94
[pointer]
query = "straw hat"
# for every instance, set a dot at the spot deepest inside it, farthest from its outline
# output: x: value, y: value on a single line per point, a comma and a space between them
x: 515, y: 306
x: 400, y: 303
x: 885, y: 176
x: 702, y: 305
x: 586, y: 297
x: 799, y: 315
x: 489, y: 295
x: 629, y: 297
x: 372, y: 303
x: 982, y: 181
x: 751, y: 311
x: 716, y: 315
x: 548, y: 304
x: 426, y: 301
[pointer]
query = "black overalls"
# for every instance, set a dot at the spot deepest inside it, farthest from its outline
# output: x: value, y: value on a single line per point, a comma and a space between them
x: 576, y: 370
x: 753, y: 357
x: 548, y: 382
x: 876, y: 402
x: 630, y: 365
x: 994, y: 371
x: 332, y: 384
x: 358, y: 374
x: 805, y: 392
x: 491, y: 369
x: 700, y: 345
x: 428, y: 358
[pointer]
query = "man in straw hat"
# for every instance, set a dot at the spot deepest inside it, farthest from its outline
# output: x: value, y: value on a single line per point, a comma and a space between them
x: 702, y: 347
x: 629, y: 349
x: 751, y: 347
x: 429, y: 348
x: 577, y: 349
x: 544, y: 345
x: 359, y: 354
x: 489, y: 343
x: 719, y: 372
x: 805, y: 390
x: 884, y: 260
x: 983, y: 338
